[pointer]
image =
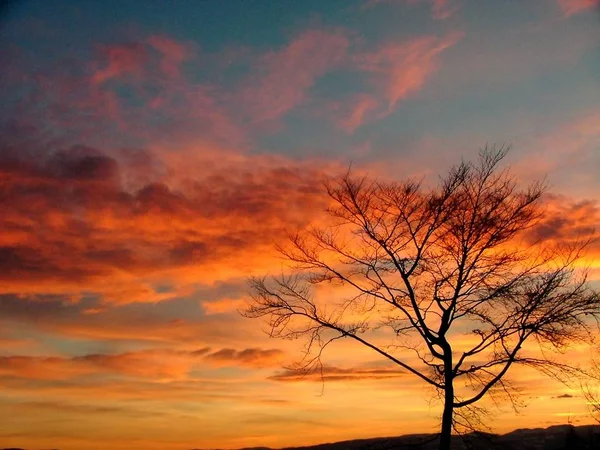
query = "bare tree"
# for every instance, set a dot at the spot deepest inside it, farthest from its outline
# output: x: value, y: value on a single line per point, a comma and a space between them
x: 434, y: 265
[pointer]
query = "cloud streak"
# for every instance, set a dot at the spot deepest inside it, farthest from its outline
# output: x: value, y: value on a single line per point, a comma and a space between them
x: 152, y: 364
x: 251, y: 357
x: 440, y: 9
x: 332, y: 374
x: 283, y: 77
x: 396, y: 70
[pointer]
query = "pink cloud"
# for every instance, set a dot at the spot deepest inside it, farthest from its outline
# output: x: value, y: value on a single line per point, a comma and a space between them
x: 135, y: 59
x: 440, y: 9
x: 173, y: 54
x: 285, y: 76
x: 572, y: 7
x: 89, y: 100
x: 397, y: 70
x: 120, y: 60
x: 82, y: 100
x: 357, y: 112
x: 178, y: 106
x: 565, y: 152
x: 404, y: 68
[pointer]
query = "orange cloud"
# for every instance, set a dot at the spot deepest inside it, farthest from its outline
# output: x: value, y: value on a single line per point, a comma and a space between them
x: 252, y: 357
x: 45, y: 368
x: 175, y: 323
x: 567, y: 222
x: 145, y: 364
x: 97, y: 237
x: 120, y: 388
x: 223, y: 305
x: 89, y: 235
x: 153, y: 364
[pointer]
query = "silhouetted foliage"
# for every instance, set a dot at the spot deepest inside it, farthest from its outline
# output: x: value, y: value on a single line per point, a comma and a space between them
x: 434, y: 265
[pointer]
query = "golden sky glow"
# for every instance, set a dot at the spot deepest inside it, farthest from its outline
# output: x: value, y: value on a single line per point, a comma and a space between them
x: 152, y: 158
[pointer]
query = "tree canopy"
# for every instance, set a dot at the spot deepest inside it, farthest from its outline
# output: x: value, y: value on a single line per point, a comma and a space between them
x: 437, y: 267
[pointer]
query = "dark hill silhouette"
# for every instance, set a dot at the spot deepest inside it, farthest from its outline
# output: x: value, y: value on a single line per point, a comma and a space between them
x: 559, y: 437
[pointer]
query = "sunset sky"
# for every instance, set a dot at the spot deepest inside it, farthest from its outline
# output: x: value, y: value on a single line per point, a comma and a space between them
x: 152, y: 154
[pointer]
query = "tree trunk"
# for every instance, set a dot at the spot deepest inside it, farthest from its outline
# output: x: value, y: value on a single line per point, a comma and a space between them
x: 446, y: 433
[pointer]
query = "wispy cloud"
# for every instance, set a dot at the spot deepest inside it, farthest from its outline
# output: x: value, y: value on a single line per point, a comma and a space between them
x: 563, y: 396
x: 393, y: 71
x: 332, y: 373
x: 283, y: 77
x: 402, y: 68
x: 572, y: 7
x: 154, y: 364
x: 440, y: 9
x: 252, y: 357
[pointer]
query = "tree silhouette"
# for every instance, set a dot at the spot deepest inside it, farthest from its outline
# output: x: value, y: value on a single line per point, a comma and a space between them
x: 433, y: 266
